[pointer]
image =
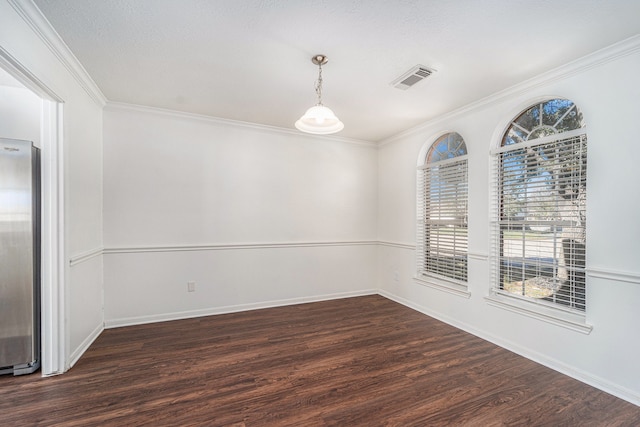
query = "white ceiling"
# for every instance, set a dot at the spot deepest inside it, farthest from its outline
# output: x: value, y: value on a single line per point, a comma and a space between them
x: 250, y: 60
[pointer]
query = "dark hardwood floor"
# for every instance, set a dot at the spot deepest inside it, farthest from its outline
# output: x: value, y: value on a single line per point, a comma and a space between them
x: 363, y: 361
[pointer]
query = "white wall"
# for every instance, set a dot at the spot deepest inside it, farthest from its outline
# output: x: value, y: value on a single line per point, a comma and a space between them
x: 83, y: 224
x: 20, y: 111
x: 21, y: 38
x: 254, y: 216
x: 608, y: 356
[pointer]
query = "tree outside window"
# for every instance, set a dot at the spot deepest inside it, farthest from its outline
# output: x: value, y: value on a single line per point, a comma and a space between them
x: 541, y: 223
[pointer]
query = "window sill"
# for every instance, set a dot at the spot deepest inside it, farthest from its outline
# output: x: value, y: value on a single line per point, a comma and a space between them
x: 575, y: 322
x: 454, y: 288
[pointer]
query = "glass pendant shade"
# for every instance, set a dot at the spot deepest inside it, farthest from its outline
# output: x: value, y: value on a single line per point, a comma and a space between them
x: 319, y: 120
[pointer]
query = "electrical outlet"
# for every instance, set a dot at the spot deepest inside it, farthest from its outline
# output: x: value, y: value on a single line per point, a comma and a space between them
x: 191, y: 286
x: 396, y: 275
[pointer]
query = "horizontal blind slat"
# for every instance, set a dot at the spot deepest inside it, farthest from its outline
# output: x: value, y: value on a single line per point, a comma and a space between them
x: 442, y: 217
x: 538, y: 219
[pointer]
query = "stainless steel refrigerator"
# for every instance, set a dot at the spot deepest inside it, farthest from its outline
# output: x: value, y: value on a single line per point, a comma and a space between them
x: 19, y: 257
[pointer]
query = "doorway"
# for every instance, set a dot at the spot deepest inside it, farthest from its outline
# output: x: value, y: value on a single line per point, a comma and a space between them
x: 33, y: 112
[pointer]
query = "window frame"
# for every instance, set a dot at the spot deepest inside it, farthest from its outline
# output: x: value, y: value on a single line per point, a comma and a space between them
x: 427, y: 272
x: 549, y: 311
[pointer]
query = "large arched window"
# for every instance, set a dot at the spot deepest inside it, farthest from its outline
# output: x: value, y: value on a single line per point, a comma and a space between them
x: 442, y: 212
x: 540, y: 206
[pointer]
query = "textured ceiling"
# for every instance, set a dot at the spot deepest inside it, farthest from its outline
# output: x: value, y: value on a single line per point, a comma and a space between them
x: 249, y: 60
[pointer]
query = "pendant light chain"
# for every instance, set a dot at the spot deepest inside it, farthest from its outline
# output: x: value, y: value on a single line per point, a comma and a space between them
x: 319, y: 84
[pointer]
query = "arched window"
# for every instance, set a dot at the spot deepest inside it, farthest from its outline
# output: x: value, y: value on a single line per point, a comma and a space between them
x: 540, y: 206
x: 442, y: 213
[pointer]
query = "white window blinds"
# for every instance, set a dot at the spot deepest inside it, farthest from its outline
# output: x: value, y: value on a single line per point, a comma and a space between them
x: 540, y: 223
x: 442, y: 219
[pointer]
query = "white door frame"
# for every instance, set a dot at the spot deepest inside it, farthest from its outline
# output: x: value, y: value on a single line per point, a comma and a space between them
x: 54, y: 336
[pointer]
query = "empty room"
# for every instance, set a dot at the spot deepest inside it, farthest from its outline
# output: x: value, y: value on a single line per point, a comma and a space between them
x: 308, y: 213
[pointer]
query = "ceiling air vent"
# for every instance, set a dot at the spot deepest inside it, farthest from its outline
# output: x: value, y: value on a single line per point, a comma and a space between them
x: 411, y: 77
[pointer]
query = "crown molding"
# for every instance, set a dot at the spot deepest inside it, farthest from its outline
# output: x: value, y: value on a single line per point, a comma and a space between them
x: 123, y: 106
x: 45, y: 31
x: 610, y: 53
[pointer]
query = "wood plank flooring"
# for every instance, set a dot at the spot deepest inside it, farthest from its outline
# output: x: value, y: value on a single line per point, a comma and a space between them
x: 363, y: 361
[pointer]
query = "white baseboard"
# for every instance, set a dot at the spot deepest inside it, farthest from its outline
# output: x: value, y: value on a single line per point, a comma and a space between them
x: 84, y: 346
x: 139, y: 320
x: 556, y: 365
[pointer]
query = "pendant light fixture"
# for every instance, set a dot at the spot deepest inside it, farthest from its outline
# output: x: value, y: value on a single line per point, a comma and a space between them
x: 319, y: 119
